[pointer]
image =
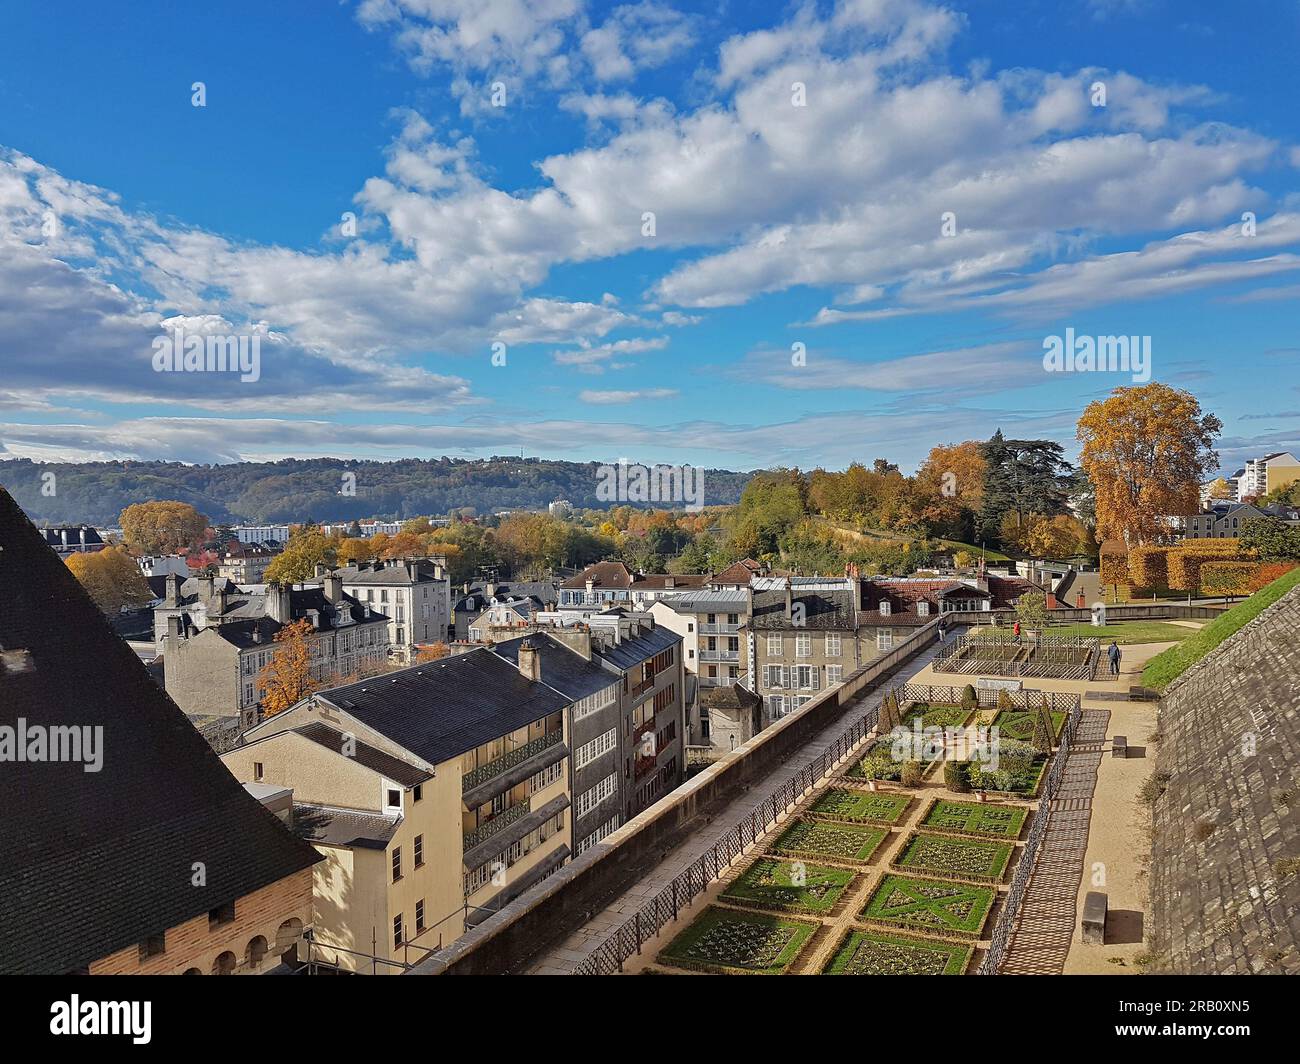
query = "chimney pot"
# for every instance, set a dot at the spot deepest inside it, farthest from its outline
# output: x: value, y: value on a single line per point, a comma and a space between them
x: 530, y: 663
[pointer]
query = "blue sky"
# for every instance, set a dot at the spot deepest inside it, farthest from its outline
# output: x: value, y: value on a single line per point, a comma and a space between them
x: 126, y: 211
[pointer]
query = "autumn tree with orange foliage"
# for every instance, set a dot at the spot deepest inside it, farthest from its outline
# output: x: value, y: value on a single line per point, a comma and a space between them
x: 111, y: 578
x: 164, y: 527
x: 286, y: 679
x: 432, y: 652
x: 1146, y: 451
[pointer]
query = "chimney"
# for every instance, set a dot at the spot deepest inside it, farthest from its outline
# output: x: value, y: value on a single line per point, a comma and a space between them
x: 530, y: 661
x: 1080, y: 602
x: 1051, y: 600
x: 279, y: 603
x: 205, y: 588
x: 321, y: 570
x: 172, y: 594
x: 83, y: 535
x: 257, y: 633
x: 334, y: 588
x: 669, y: 582
x: 789, y: 601
x: 490, y: 590
x: 413, y: 571
x: 220, y: 599
x: 176, y: 627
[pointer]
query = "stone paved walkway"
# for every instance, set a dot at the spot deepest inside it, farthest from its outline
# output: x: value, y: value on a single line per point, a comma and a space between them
x: 563, y: 958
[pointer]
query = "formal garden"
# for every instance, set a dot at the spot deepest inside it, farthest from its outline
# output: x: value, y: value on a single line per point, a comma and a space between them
x: 898, y: 886
x: 1031, y: 655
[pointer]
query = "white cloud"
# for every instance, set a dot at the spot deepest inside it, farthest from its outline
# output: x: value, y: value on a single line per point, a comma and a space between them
x: 610, y: 398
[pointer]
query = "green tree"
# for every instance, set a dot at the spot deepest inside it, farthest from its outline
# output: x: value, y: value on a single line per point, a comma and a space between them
x: 307, y: 548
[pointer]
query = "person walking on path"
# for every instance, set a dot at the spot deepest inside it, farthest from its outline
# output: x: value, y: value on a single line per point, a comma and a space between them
x: 943, y: 628
x: 1113, y: 653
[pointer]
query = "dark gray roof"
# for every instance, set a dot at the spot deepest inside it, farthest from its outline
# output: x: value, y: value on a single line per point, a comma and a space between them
x: 95, y: 862
x: 343, y: 827
x: 441, y: 709
x: 822, y: 610
x: 633, y: 651
x: 387, y: 576
x: 562, y: 668
x: 394, y: 768
x: 542, y: 592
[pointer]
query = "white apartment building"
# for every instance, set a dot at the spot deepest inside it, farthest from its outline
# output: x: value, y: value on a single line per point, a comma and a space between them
x: 414, y: 595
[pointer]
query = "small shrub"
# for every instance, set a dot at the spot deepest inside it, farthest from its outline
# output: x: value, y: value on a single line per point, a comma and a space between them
x: 1154, y: 787
x: 956, y: 776
x: 969, y: 699
x: 1004, y: 701
x: 911, y: 774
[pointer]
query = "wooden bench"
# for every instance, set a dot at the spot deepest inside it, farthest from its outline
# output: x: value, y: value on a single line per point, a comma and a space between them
x: 1093, y: 923
x: 1119, y: 746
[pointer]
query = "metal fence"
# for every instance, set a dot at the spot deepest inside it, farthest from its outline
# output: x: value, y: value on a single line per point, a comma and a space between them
x: 1007, y: 918
x: 664, y: 907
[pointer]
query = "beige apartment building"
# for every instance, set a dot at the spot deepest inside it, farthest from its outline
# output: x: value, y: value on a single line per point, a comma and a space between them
x: 437, y: 794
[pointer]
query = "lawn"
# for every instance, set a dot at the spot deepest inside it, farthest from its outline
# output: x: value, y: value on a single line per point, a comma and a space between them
x: 846, y: 803
x: 877, y: 953
x: 1167, y: 666
x: 930, y: 906
x: 960, y: 858
x: 975, y: 818
x: 829, y: 840
x: 791, y: 886
x: 1126, y: 632
x: 723, y: 940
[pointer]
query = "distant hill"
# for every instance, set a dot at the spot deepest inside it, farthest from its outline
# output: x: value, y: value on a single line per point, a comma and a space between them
x: 296, y: 489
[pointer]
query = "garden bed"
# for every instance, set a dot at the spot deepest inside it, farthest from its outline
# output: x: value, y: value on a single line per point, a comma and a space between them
x: 976, y: 819
x: 738, y: 943
x: 930, y: 906
x: 858, y: 807
x: 950, y: 857
x: 879, y: 953
x: 770, y: 883
x: 1019, y: 724
x: 830, y: 840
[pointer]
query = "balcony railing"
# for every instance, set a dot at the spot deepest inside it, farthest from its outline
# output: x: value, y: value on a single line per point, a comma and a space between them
x: 508, y: 760
x: 719, y: 655
x: 719, y: 629
x: 502, y: 820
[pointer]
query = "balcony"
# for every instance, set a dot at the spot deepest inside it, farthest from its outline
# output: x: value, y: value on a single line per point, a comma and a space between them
x: 509, y: 760
x: 503, y: 819
x: 719, y: 655
x: 719, y: 629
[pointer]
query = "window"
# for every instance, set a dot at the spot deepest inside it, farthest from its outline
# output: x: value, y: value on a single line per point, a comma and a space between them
x: 419, y: 851
x: 418, y: 792
x: 774, y: 675
x: 774, y: 649
x: 153, y: 945
x: 397, y: 930
x: 222, y: 914
x: 923, y: 608
x: 884, y: 639
x: 834, y: 675
x: 802, y: 645
x: 588, y: 752
x: 592, y: 798
x: 259, y: 771
x: 833, y: 644
x: 394, y: 799
x: 600, y: 833
x: 419, y: 916
x: 884, y: 609
x: 807, y: 677
x: 397, y: 863
x: 775, y: 706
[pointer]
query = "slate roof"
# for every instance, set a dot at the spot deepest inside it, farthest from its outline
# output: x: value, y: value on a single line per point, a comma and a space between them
x: 617, y: 576
x: 633, y: 651
x: 541, y: 592
x: 1224, y: 898
x: 329, y: 826
x: 94, y: 862
x: 823, y: 610
x: 387, y: 576
x: 562, y: 667
x: 441, y: 709
x: 393, y: 768
x: 732, y: 697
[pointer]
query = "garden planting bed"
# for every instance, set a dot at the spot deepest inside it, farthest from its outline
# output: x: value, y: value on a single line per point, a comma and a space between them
x: 976, y: 819
x: 858, y: 806
x: 830, y: 840
x: 1019, y: 724
x: 929, y: 906
x: 880, y: 953
x: 738, y: 943
x: 770, y: 883
x: 950, y: 857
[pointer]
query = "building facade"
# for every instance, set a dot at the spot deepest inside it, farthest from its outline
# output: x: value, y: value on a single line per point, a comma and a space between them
x: 414, y: 595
